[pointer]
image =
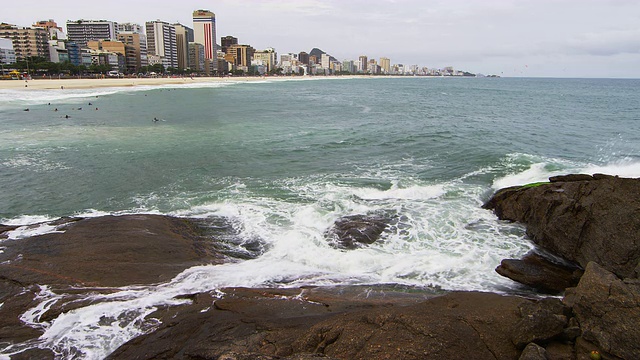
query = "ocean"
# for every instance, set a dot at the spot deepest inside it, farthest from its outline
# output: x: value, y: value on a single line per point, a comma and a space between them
x: 283, y: 160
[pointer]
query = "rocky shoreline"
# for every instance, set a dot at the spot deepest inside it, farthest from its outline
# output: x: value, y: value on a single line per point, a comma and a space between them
x: 587, y: 229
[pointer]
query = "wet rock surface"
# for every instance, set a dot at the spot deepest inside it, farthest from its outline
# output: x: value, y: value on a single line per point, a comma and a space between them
x: 541, y: 273
x: 608, y: 311
x: 351, y: 232
x: 340, y: 323
x: 108, y: 251
x: 89, y: 255
x: 580, y: 218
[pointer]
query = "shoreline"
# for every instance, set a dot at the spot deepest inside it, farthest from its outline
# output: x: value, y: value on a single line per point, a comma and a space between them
x: 90, y: 83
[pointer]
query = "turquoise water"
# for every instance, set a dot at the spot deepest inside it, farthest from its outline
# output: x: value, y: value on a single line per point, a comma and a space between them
x: 369, y: 132
x: 284, y: 159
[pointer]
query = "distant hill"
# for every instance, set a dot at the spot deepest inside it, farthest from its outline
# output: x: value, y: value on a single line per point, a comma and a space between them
x: 318, y: 54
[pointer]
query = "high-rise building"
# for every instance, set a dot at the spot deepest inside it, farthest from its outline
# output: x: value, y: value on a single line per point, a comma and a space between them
x: 161, y: 41
x: 7, y: 54
x: 266, y: 57
x: 349, y: 66
x: 227, y: 41
x: 55, y: 31
x: 362, y: 67
x: 133, y: 35
x: 241, y: 55
x: 130, y: 28
x: 325, y: 61
x: 196, y: 57
x: 303, y: 57
x: 183, y: 33
x: 138, y: 42
x: 204, y: 32
x: 27, y: 42
x: 82, y: 31
x: 385, y: 65
x: 113, y: 53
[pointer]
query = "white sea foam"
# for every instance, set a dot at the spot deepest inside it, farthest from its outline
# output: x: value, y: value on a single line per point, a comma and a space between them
x: 26, y: 220
x: 32, y: 230
x: 542, y: 171
x: 624, y: 168
x: 20, y: 98
x: 440, y: 237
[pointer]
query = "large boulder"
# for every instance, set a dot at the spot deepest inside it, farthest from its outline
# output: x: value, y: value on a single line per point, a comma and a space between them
x: 608, y: 310
x: 580, y: 218
x: 539, y: 322
x: 353, y: 231
x: 541, y: 273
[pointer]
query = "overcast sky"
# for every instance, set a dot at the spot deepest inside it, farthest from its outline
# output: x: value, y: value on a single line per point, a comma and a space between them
x: 554, y: 38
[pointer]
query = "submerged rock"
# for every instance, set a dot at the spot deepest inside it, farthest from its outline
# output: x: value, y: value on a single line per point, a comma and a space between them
x: 353, y: 231
x: 580, y: 218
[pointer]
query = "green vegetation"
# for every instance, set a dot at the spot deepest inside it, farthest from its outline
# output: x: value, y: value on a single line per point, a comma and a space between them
x: 534, y: 185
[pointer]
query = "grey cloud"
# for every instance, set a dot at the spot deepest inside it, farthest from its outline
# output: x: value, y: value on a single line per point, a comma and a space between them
x: 606, y: 43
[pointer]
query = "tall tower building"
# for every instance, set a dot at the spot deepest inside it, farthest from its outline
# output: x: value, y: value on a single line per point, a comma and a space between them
x: 161, y: 41
x: 204, y: 32
x: 385, y: 65
x: 303, y: 57
x: 82, y: 31
x: 183, y: 34
x: 363, y: 64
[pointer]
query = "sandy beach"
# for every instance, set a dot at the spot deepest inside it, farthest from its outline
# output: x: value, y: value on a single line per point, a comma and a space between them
x: 50, y: 84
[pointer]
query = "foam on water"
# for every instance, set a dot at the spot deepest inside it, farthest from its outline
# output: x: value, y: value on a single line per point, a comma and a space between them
x: 543, y: 169
x: 442, y: 236
x: 624, y: 168
x: 32, y: 230
x: 20, y: 98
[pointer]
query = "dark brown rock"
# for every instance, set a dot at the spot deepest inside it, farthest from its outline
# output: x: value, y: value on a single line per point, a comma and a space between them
x: 571, y: 177
x: 560, y: 351
x: 608, y: 310
x: 291, y: 324
x: 534, y: 352
x: 353, y: 231
x: 580, y: 220
x: 537, y: 271
x: 539, y: 322
x: 97, y: 252
x: 4, y: 229
x: 109, y: 251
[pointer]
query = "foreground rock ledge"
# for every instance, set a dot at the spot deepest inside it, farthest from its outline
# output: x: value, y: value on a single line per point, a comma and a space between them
x: 109, y: 251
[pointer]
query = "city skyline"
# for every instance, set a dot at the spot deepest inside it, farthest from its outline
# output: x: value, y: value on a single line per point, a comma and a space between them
x: 509, y: 38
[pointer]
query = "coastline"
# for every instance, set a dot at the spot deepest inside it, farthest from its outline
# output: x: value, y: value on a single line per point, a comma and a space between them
x: 90, y: 83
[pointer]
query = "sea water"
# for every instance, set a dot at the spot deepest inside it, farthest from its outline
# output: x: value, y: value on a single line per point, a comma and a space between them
x: 282, y: 160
